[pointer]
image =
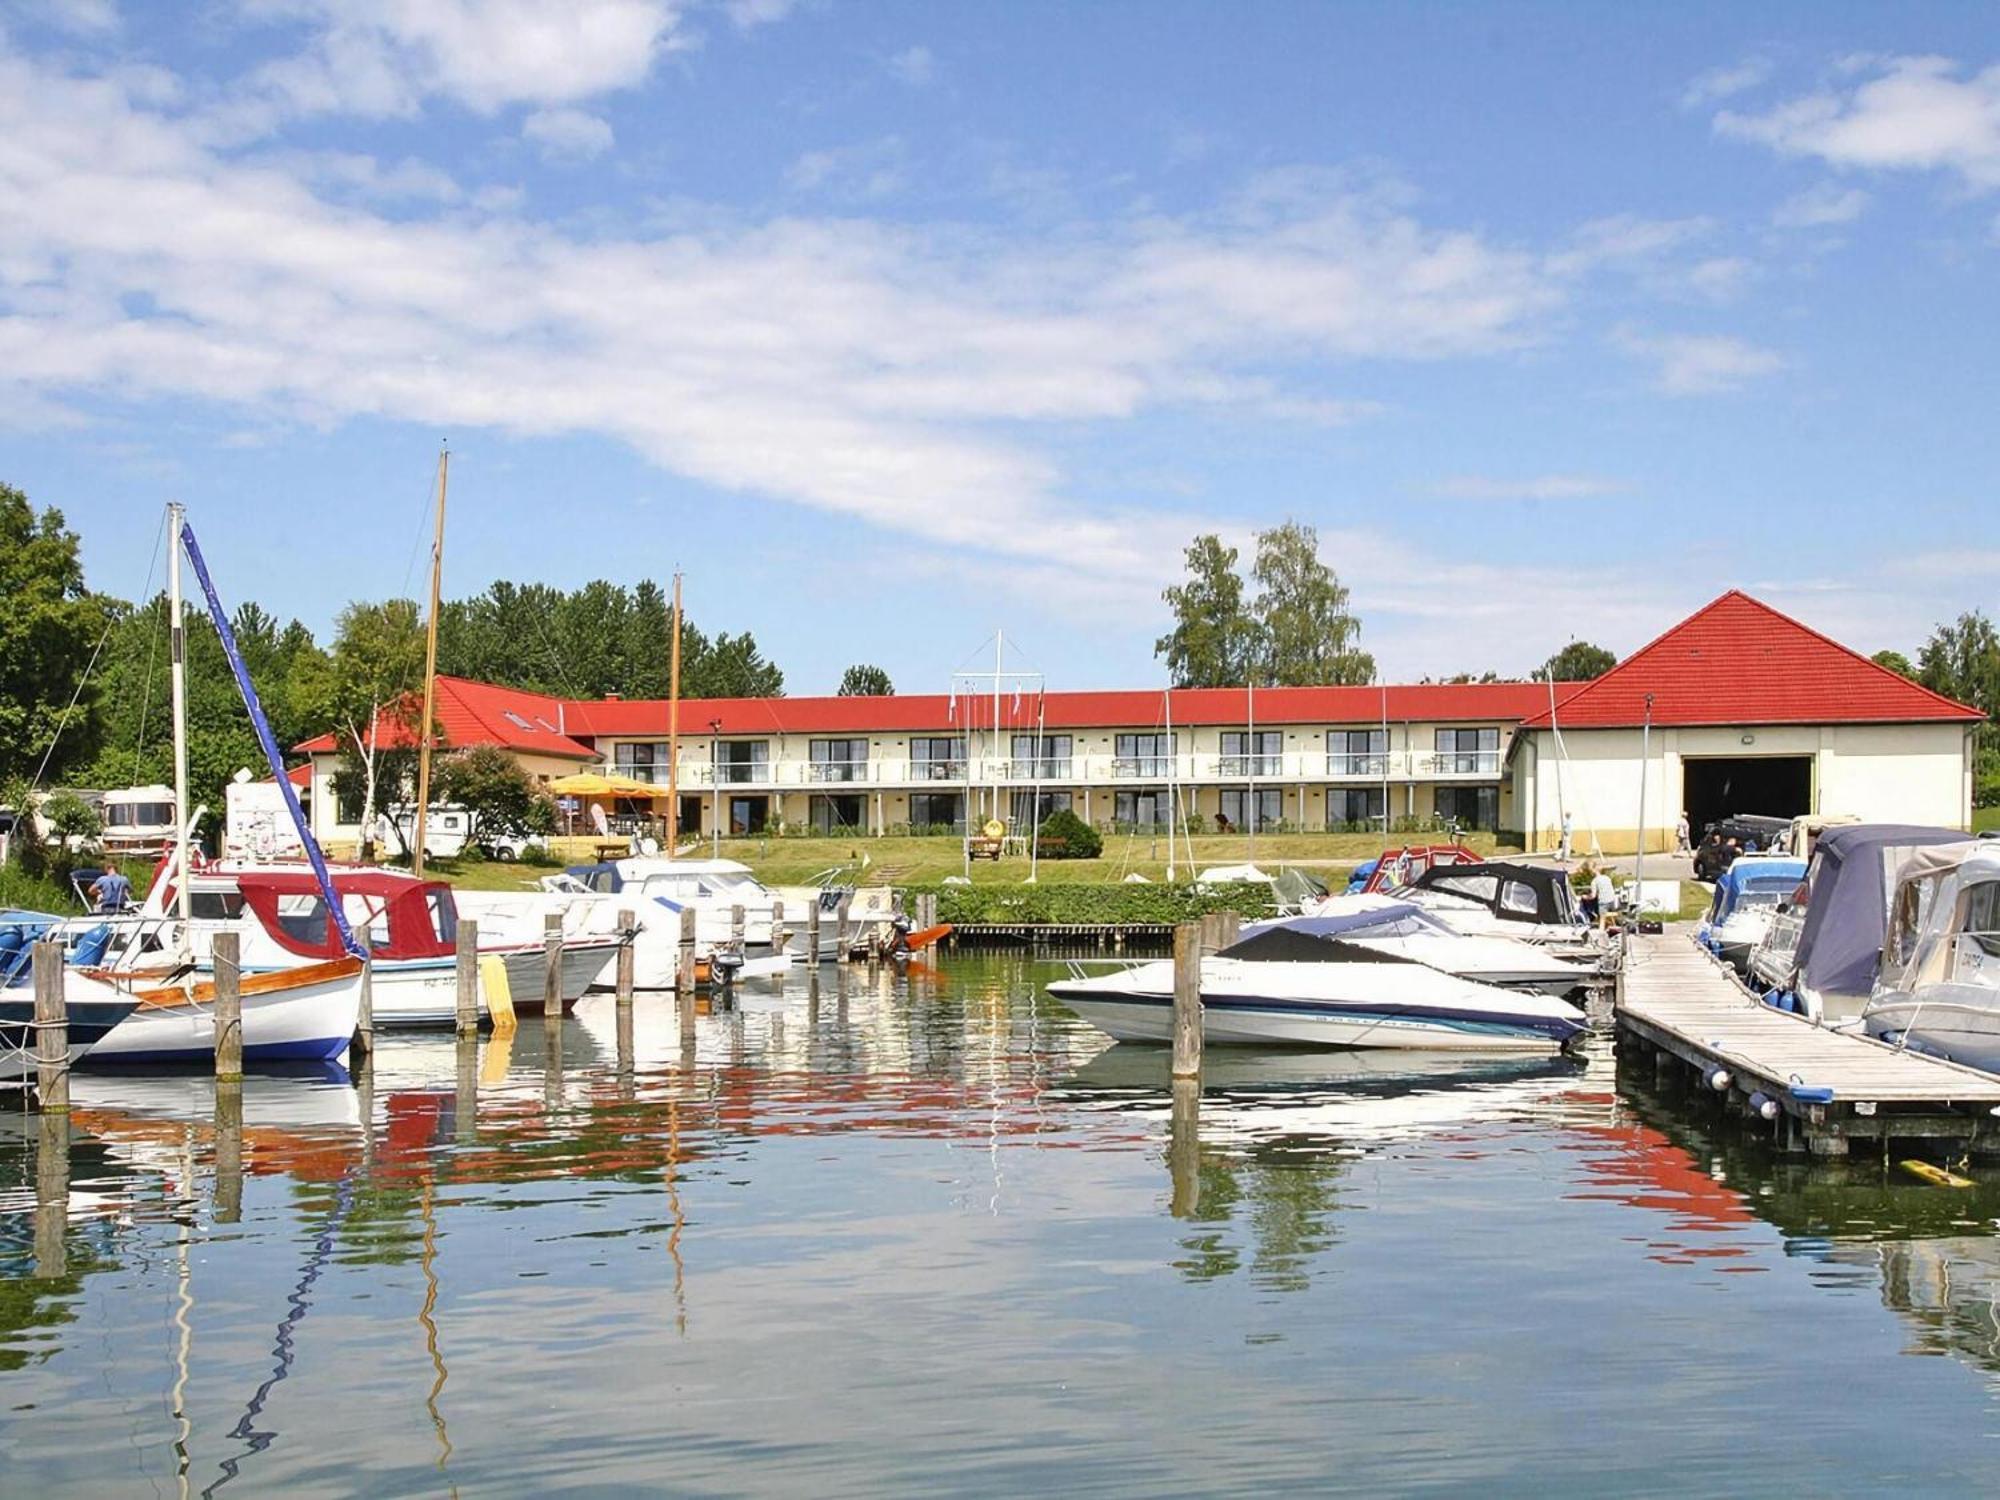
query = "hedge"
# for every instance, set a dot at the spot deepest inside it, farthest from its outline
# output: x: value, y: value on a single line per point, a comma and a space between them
x: 1106, y: 902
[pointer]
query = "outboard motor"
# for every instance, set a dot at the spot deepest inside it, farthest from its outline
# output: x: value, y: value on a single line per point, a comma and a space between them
x: 722, y: 966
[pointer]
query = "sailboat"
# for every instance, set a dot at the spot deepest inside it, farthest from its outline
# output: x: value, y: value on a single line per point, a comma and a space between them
x: 306, y: 1013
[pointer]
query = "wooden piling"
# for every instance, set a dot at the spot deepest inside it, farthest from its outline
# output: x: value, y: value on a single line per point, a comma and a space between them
x: 843, y: 942
x: 51, y: 1228
x: 51, y: 1028
x: 684, y: 971
x: 627, y: 962
x: 465, y: 1091
x: 1187, y: 1000
x: 364, y: 1020
x: 778, y: 934
x: 228, y: 966
x: 468, y: 977
x: 228, y: 1144
x: 736, y: 926
x: 812, y: 934
x: 552, y: 969
x: 1184, y: 1148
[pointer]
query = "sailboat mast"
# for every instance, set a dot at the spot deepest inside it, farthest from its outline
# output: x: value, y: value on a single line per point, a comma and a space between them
x: 177, y: 672
x: 1250, y: 819
x: 1173, y: 783
x: 999, y: 666
x: 430, y: 675
x: 674, y: 734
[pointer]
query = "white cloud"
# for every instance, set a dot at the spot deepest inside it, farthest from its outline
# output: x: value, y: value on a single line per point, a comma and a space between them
x: 1725, y: 82
x: 1625, y: 239
x: 1958, y: 563
x: 567, y: 134
x: 384, y: 57
x: 1700, y: 364
x: 870, y: 170
x: 90, y: 18
x: 914, y: 65
x: 751, y: 13
x: 1910, y: 113
x: 1540, y: 487
x: 1819, y: 206
x: 1719, y: 278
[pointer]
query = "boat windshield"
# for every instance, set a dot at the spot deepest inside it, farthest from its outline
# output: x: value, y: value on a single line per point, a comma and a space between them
x: 1766, y: 890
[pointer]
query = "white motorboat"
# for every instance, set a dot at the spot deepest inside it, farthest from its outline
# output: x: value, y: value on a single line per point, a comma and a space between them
x: 1747, y: 897
x: 1495, y: 898
x: 1399, y: 929
x: 1938, y: 989
x: 93, y: 1015
x: 1344, y: 995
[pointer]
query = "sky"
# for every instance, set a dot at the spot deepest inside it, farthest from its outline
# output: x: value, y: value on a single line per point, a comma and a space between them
x: 893, y: 325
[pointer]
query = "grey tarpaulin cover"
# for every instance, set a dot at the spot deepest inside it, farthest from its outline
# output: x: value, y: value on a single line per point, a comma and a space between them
x: 1852, y: 875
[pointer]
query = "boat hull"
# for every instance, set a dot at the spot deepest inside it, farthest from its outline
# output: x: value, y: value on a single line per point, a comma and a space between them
x: 89, y: 1024
x: 583, y: 962
x: 286, y: 1018
x: 1244, y: 1021
x: 1959, y: 1022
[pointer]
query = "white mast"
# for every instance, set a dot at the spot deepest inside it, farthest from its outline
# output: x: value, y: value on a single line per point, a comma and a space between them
x: 1250, y: 738
x: 177, y: 657
x: 1173, y: 786
x: 999, y: 667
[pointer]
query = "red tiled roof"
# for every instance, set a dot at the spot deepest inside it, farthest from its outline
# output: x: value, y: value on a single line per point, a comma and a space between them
x: 1132, y: 709
x: 1739, y: 661
x: 478, y: 713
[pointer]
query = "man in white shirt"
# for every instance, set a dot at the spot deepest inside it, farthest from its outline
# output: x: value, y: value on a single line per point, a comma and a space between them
x: 1604, y: 894
x: 1563, y: 852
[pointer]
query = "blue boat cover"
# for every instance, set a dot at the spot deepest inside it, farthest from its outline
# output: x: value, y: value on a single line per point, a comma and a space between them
x: 1847, y: 908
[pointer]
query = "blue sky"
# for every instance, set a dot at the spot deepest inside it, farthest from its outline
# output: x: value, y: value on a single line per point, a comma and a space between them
x: 893, y: 323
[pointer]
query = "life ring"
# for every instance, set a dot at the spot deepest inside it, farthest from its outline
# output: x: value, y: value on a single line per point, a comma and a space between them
x: 993, y: 828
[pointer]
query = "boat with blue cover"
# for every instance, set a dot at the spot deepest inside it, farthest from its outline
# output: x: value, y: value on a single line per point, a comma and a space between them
x: 1747, y: 897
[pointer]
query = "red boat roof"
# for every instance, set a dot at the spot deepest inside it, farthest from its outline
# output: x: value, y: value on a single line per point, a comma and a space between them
x: 1739, y: 661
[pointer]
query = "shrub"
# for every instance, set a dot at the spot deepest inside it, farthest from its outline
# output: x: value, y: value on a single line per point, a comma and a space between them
x: 538, y: 855
x: 1087, y: 902
x: 1063, y: 835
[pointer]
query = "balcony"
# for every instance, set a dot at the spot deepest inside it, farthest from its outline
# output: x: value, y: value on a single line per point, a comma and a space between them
x: 742, y: 773
x: 1374, y: 767
x: 937, y: 770
x: 1462, y: 763
x: 1038, y: 770
x: 1243, y: 767
x: 824, y: 771
x: 1149, y: 767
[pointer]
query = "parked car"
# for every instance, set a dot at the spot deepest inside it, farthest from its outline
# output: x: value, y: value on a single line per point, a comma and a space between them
x: 1715, y: 853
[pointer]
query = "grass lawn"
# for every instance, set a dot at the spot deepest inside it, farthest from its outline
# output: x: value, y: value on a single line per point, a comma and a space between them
x: 1985, y: 819
x: 926, y: 861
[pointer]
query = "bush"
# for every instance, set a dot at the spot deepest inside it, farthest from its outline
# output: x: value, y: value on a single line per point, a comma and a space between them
x: 72, y: 818
x: 1063, y: 835
x: 1088, y: 902
x: 539, y: 856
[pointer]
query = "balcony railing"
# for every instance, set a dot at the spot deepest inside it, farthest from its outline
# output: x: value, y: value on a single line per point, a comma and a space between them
x: 1464, y: 763
x: 937, y: 770
x: 837, y: 770
x: 742, y: 773
x: 1153, y: 767
x: 1243, y: 767
x: 1297, y: 766
x: 1341, y: 763
x: 1039, y: 770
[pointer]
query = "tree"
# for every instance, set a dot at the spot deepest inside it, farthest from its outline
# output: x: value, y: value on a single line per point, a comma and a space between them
x: 371, y: 692
x: 1579, y: 661
x: 732, y: 667
x: 863, y: 681
x: 1962, y: 661
x: 1063, y: 835
x: 1308, y: 633
x: 1214, y: 640
x: 49, y: 627
x: 500, y: 798
x: 1896, y: 662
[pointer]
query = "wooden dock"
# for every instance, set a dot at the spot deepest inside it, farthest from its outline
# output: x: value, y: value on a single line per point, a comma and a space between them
x: 1817, y: 1089
x: 1070, y: 937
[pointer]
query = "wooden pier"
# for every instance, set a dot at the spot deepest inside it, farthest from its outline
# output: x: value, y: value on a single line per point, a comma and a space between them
x: 1818, y: 1090
x: 1070, y: 937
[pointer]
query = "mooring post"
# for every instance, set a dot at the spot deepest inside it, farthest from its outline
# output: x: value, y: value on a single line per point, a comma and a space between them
x: 1228, y: 928
x: 228, y: 1142
x: 468, y: 977
x: 736, y: 927
x: 51, y: 1029
x: 812, y: 934
x: 552, y: 968
x: 52, y: 1194
x: 778, y: 934
x: 1184, y: 1147
x: 364, y: 1020
x: 1187, y: 1000
x: 465, y: 1094
x: 843, y: 944
x: 627, y: 961
x: 226, y: 950
x: 684, y: 972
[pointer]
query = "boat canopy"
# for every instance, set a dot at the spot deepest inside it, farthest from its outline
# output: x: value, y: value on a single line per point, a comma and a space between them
x: 1512, y: 892
x: 397, y: 916
x: 1755, y: 880
x: 602, y: 878
x: 1386, y: 919
x: 1848, y: 886
x: 1928, y: 909
x: 1283, y: 943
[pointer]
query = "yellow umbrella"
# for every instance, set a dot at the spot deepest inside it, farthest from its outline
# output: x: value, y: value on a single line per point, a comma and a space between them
x: 597, y: 784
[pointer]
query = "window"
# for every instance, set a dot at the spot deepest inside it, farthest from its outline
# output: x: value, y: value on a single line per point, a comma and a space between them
x: 215, y: 906
x: 516, y: 720
x: 1468, y: 752
x: 1041, y: 757
x: 839, y: 760
x: 139, y: 815
x: 1143, y: 807
x: 1029, y: 809
x: 937, y: 809
x: 642, y: 760
x: 1149, y: 754
x: 1469, y: 806
x: 1519, y: 897
x: 1357, y: 752
x: 1241, y: 809
x: 1354, y: 809
x: 741, y: 761
x: 748, y: 815
x: 1247, y: 753
x: 937, y: 758
x: 1982, y: 915
x: 836, y: 814
x: 347, y: 797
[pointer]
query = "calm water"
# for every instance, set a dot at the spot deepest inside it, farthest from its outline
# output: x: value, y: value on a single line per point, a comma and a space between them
x: 923, y: 1237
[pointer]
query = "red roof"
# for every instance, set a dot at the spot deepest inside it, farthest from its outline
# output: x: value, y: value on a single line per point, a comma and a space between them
x: 478, y: 713
x: 1739, y: 661
x: 1140, y: 709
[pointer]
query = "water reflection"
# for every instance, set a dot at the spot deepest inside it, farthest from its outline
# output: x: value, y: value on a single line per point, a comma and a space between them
x: 882, y: 1234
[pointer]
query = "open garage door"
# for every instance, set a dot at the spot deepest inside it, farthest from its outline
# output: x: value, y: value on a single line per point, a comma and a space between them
x: 1779, y: 786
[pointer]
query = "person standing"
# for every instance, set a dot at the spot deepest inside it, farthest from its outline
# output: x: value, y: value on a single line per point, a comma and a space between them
x: 1604, y: 895
x: 1681, y: 843
x: 110, y: 892
x: 1562, y: 850
x: 1587, y: 902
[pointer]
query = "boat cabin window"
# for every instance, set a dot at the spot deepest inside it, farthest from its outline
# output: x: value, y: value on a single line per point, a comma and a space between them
x: 303, y: 919
x: 1765, y: 890
x: 367, y: 919
x: 444, y: 915
x: 1519, y: 897
x: 1482, y: 888
x: 215, y: 906
x: 1982, y: 916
